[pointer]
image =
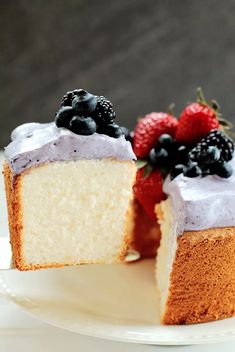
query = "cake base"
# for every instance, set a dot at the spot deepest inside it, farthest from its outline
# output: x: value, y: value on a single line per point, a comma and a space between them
x: 202, y: 279
x: 69, y: 213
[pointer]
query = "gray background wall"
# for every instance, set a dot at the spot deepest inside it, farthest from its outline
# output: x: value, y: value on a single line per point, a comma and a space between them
x: 142, y: 54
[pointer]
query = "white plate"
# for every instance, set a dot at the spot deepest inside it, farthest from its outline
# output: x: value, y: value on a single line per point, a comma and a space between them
x: 116, y: 302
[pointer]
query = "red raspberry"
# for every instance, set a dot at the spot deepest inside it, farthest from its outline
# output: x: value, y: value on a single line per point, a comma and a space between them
x: 195, y: 122
x: 149, y: 129
x: 148, y: 190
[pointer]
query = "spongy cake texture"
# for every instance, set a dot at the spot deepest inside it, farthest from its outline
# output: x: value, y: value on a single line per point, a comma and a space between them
x: 68, y: 213
x: 199, y: 281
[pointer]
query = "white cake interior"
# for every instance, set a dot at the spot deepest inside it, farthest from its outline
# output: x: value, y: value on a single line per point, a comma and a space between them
x: 75, y: 211
x: 166, y: 252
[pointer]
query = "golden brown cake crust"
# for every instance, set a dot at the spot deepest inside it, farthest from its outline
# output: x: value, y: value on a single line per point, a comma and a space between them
x: 202, y: 285
x: 15, y: 220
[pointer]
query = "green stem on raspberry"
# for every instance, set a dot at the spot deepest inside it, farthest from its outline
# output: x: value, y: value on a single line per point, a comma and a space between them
x: 224, y: 124
x: 147, y: 170
x: 141, y: 163
x: 215, y: 105
x: 170, y: 109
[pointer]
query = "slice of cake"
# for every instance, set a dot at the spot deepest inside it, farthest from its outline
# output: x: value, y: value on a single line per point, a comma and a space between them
x: 69, y: 187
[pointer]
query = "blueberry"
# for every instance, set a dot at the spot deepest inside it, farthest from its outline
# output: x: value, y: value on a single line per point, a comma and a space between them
x: 223, y: 169
x: 158, y: 157
x: 79, y: 92
x: 192, y: 170
x: 165, y: 140
x: 82, y: 125
x: 63, y: 116
x: 128, y: 135
x: 111, y: 130
x: 177, y: 170
x: 84, y: 103
x: 182, y: 154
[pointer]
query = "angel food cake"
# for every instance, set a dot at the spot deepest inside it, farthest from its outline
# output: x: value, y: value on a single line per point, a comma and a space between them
x: 196, y: 259
x: 186, y: 174
x: 69, y: 186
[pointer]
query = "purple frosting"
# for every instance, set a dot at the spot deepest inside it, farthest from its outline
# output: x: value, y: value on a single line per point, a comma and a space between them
x: 34, y: 143
x: 202, y: 202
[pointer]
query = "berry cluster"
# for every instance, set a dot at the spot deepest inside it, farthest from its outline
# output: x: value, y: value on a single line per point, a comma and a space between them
x: 194, y: 145
x: 213, y: 153
x: 169, y: 154
x: 84, y: 113
x: 208, y: 157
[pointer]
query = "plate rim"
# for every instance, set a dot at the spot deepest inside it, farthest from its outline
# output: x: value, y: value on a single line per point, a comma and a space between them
x: 83, y: 328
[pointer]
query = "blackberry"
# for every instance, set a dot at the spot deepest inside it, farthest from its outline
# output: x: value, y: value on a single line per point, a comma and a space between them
x: 103, y: 113
x: 67, y: 99
x: 222, y: 151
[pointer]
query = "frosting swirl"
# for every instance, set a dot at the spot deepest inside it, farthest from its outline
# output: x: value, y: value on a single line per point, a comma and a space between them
x: 35, y: 143
x: 202, y: 202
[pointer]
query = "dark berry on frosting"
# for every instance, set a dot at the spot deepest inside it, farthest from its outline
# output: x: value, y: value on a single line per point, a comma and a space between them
x: 213, y: 153
x: 223, y: 142
x: 192, y: 170
x: 89, y: 113
x: 104, y: 113
x: 217, y: 139
x: 165, y: 140
x: 79, y: 92
x: 67, y: 99
x: 88, y: 103
x: 177, y: 170
x: 158, y: 157
x: 82, y: 125
x: 83, y: 102
x: 222, y: 169
x: 209, y: 156
x: 111, y: 130
x: 128, y: 135
x: 182, y: 154
x: 63, y: 116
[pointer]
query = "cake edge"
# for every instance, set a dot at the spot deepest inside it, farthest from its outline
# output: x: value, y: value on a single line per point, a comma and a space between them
x: 191, y: 296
